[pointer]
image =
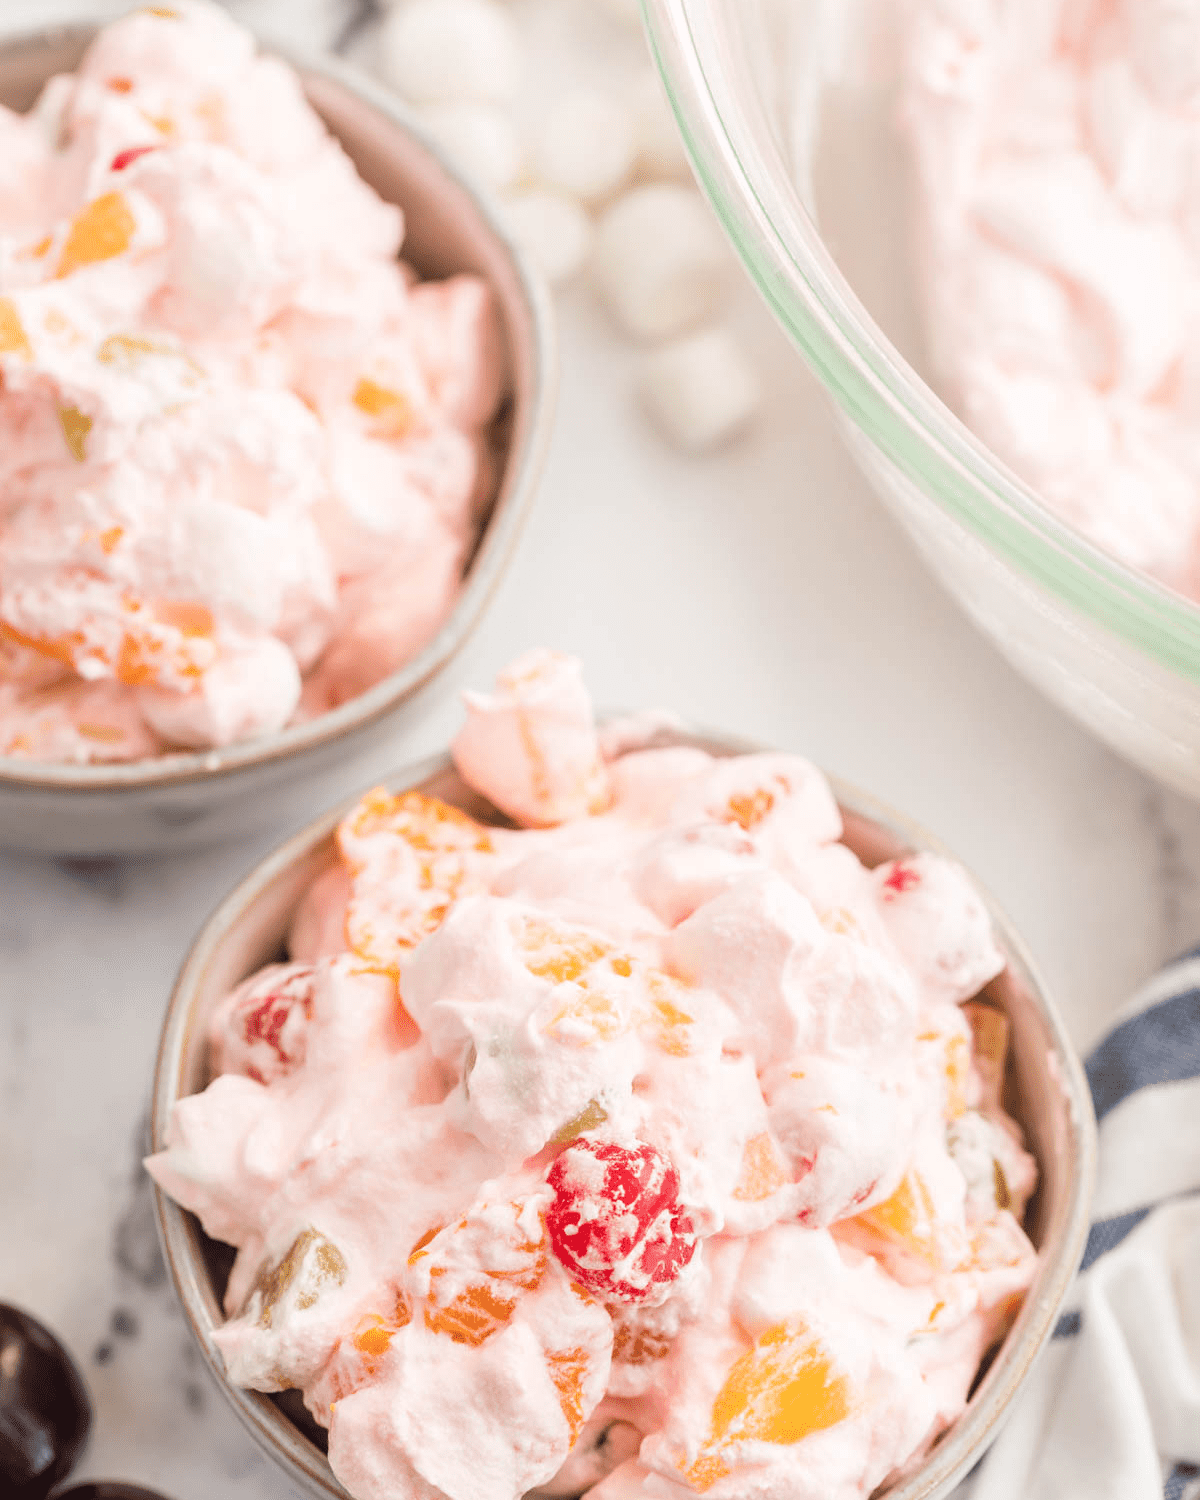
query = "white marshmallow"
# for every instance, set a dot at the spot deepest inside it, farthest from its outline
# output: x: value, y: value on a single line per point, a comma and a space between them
x: 585, y: 144
x: 699, y: 390
x: 656, y: 135
x: 446, y: 51
x: 661, y: 264
x: 480, y: 138
x: 553, y: 228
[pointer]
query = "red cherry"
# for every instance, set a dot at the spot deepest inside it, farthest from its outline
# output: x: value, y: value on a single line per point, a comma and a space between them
x: 127, y: 157
x: 902, y: 878
x: 616, y: 1222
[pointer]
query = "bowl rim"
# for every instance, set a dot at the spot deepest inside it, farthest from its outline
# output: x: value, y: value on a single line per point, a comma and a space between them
x: 497, y: 538
x: 781, y: 247
x: 967, y: 1439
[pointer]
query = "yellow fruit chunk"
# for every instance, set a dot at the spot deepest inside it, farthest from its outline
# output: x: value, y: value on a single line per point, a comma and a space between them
x: 391, y: 411
x: 100, y: 231
x: 779, y: 1391
x: 590, y: 1117
x: 958, y: 1068
x: 762, y: 1172
x: 13, y: 338
x: 907, y: 1219
x: 75, y: 428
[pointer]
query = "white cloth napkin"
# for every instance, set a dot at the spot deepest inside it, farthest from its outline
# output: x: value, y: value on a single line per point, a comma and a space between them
x: 1112, y: 1410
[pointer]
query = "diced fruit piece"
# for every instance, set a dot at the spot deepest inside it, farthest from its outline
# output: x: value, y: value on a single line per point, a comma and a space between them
x: 763, y: 1173
x: 13, y: 338
x: 390, y: 411
x: 261, y: 1029
x: 127, y: 157
x: 75, y: 427
x: 780, y: 1391
x: 311, y: 1263
x: 44, y: 1408
x: 907, y: 1220
x: 568, y: 1370
x: 616, y: 1222
x: 474, y: 1272
x: 102, y: 230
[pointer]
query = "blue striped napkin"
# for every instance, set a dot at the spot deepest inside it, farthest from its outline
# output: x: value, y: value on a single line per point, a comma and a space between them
x: 1112, y: 1409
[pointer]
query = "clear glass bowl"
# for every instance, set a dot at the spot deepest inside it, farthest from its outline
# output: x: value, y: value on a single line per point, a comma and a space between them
x: 787, y: 110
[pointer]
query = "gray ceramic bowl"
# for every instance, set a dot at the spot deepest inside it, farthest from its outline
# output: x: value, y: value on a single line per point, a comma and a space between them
x: 1046, y: 1091
x: 187, y: 799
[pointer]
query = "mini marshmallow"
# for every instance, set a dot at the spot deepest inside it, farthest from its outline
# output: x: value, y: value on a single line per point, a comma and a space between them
x: 661, y: 264
x: 656, y: 134
x: 700, y: 390
x: 554, y: 229
x: 447, y: 51
x: 585, y: 144
x: 480, y: 138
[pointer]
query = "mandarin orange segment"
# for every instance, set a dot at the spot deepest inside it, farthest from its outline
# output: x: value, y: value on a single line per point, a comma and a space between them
x: 748, y: 809
x: 907, y: 1219
x: 561, y: 954
x: 666, y: 1021
x: 568, y: 1369
x: 390, y: 410
x: 762, y: 1171
x: 13, y: 338
x: 102, y: 230
x: 780, y: 1391
x: 441, y: 839
x: 508, y: 1264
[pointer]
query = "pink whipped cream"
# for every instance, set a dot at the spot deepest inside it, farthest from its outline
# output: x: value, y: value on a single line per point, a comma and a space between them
x: 1058, y: 203
x: 657, y: 1147
x: 242, y: 451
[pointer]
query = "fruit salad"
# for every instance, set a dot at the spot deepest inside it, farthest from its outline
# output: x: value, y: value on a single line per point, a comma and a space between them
x: 244, y: 452
x: 638, y: 1139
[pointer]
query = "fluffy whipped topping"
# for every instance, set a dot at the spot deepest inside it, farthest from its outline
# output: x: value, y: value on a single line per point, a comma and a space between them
x: 242, y: 451
x: 1057, y: 198
x: 655, y: 1145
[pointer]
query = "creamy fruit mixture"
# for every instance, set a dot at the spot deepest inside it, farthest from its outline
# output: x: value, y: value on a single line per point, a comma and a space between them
x: 242, y: 454
x: 1057, y: 151
x: 655, y: 1142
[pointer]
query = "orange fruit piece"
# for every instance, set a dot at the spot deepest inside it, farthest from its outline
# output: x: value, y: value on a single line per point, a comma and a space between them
x: 497, y: 1269
x: 13, y: 338
x: 391, y: 411
x: 102, y: 230
x: 779, y: 1391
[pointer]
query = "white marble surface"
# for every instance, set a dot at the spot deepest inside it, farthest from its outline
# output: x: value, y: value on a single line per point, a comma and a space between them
x: 763, y: 590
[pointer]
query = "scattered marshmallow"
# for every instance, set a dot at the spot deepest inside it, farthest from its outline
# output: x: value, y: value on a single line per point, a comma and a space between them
x: 700, y: 390
x: 446, y: 51
x: 553, y: 228
x: 585, y: 144
x: 480, y: 138
x: 657, y: 140
x: 661, y: 264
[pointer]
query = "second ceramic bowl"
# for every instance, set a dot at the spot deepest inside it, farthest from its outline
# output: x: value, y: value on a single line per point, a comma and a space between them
x: 187, y: 799
x: 1045, y: 1090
